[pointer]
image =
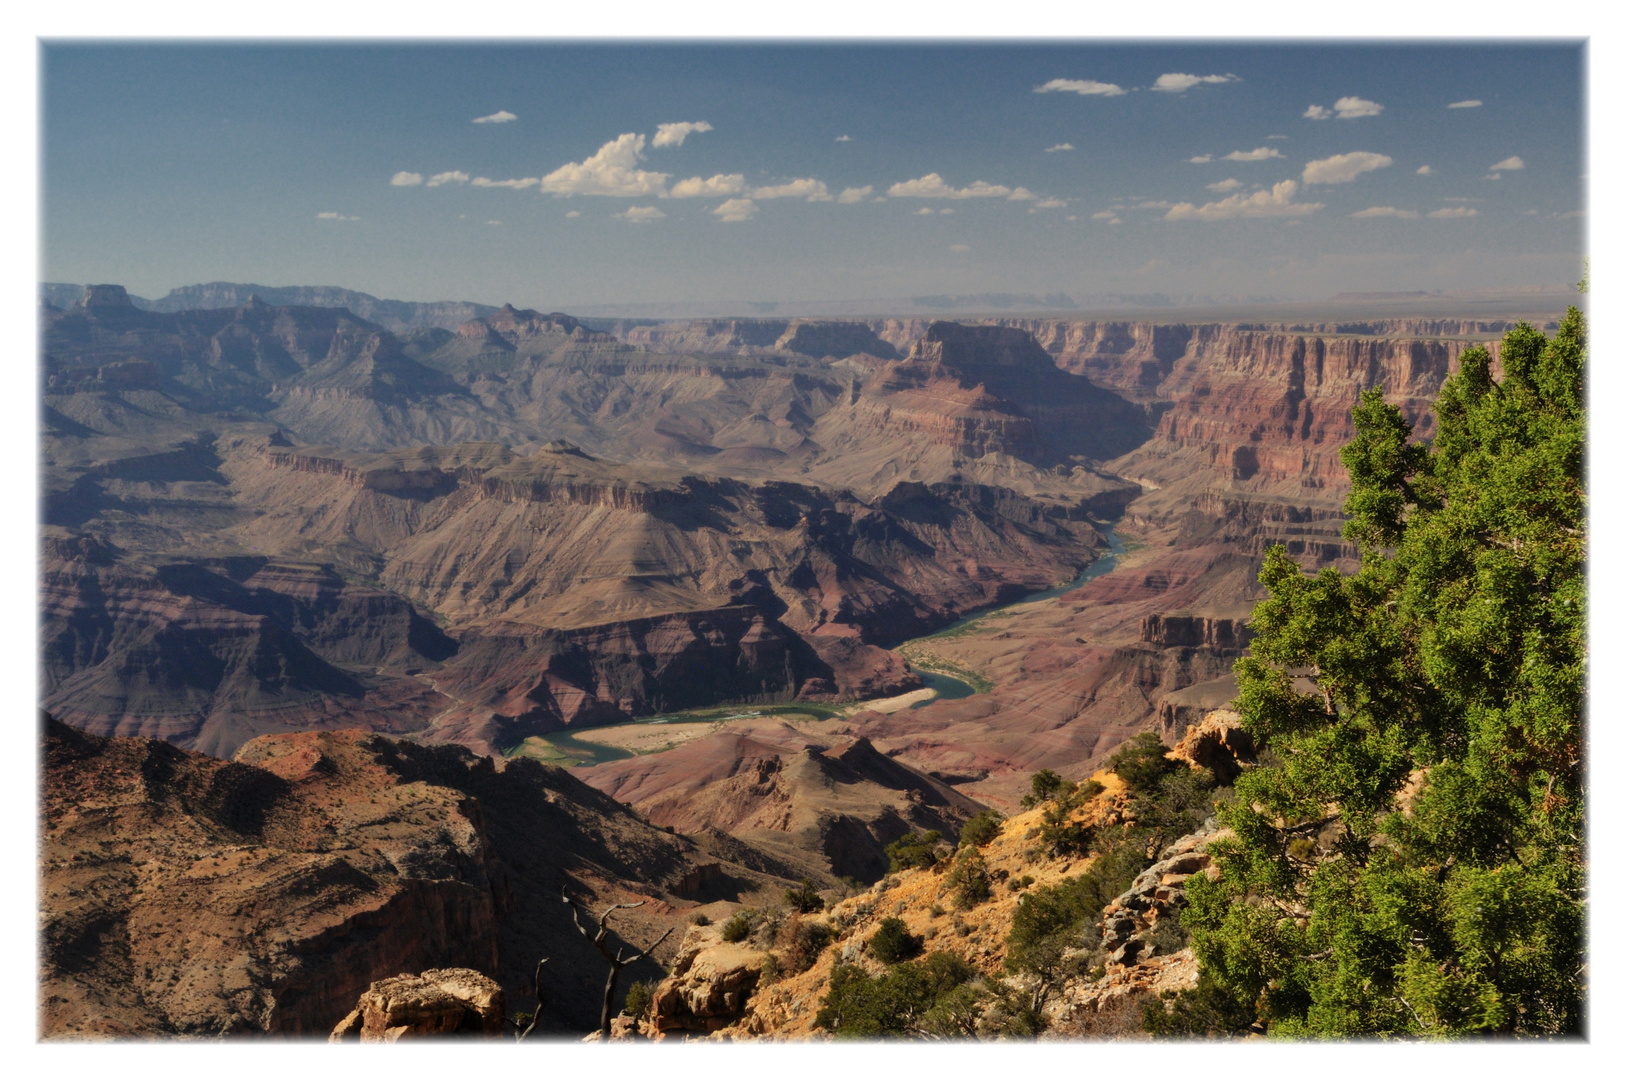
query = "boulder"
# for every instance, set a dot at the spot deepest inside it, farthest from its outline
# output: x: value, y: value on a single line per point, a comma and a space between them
x: 443, y: 1001
x: 710, y: 983
x: 1219, y: 744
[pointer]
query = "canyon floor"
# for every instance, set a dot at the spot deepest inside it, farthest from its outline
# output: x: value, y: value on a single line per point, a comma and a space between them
x: 352, y: 637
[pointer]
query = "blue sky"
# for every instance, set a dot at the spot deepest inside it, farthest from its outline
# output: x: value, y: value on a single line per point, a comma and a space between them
x: 809, y: 169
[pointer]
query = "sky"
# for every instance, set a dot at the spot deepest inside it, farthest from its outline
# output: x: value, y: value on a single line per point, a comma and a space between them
x: 555, y: 175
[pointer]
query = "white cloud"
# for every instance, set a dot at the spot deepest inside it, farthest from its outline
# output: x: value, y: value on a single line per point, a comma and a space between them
x: 1102, y: 215
x: 721, y: 184
x: 1342, y: 168
x: 1225, y: 185
x: 674, y: 134
x: 1384, y: 211
x: 1425, y: 170
x: 332, y: 215
x: 855, y: 194
x: 573, y: 213
x: 1050, y: 204
x: 1176, y: 84
x: 1317, y: 112
x: 932, y: 186
x: 1511, y: 164
x: 946, y: 210
x: 959, y: 247
x: 1277, y: 202
x: 611, y: 171
x: 1351, y: 107
x: 518, y: 185
x: 1530, y: 213
x: 1086, y: 87
x: 737, y: 210
x: 1469, y: 104
x: 493, y: 223
x: 1150, y: 204
x: 454, y: 177
x: 1275, y: 136
x: 1021, y: 194
x: 844, y: 138
x: 637, y: 215
x: 1453, y: 212
x: 1258, y: 153
x: 1201, y: 159
x: 925, y: 210
x: 500, y: 117
x: 406, y: 179
x: 1572, y: 214
x: 806, y: 188
x: 1058, y: 147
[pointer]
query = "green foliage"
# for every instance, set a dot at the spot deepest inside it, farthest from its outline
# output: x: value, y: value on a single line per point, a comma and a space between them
x: 968, y: 879
x: 914, y: 850
x: 1454, y: 661
x: 893, y: 942
x: 897, y: 1004
x: 1058, y: 832
x: 1141, y: 763
x: 980, y: 829
x: 738, y: 926
x: 1066, y: 915
x: 702, y: 919
x: 1046, y: 785
x: 640, y: 995
x: 804, y: 897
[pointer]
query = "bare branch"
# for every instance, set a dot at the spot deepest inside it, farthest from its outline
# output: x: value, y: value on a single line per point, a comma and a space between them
x: 650, y: 949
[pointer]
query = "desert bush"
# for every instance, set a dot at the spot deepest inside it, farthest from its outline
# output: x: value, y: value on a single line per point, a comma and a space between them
x: 801, y: 941
x: 893, y: 942
x: 916, y: 850
x: 738, y: 926
x: 640, y: 995
x: 804, y: 897
x: 968, y: 879
x: 982, y: 828
x: 861, y: 1006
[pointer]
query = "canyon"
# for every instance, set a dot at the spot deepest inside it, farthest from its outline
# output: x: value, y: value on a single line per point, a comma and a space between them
x: 310, y: 580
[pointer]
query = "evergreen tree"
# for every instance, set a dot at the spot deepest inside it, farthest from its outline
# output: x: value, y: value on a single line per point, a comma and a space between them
x: 1409, y: 858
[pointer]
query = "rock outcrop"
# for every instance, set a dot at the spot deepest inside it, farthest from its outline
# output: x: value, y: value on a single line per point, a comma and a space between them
x: 708, y: 987
x: 438, y: 1003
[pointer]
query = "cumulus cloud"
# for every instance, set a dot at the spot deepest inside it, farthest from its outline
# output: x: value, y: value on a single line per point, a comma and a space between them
x: 454, y: 177
x: 674, y: 134
x: 1102, y: 215
x: 573, y: 213
x: 1384, y: 211
x: 1178, y: 84
x: 1058, y: 147
x: 925, y: 210
x: 1511, y: 164
x: 1453, y: 212
x: 1342, y: 168
x: 502, y: 116
x: 638, y: 215
x: 1225, y: 185
x: 1277, y: 202
x: 1085, y: 87
x: 518, y: 185
x: 1201, y: 159
x: 1050, y: 204
x: 1351, y: 107
x: 406, y: 179
x: 932, y: 186
x: 1469, y: 104
x: 1021, y: 194
x: 1258, y: 153
x: 333, y: 215
x: 844, y: 138
x: 1317, y: 112
x: 611, y: 171
x: 1425, y: 170
x: 696, y: 188
x: 1275, y: 136
x: 806, y: 188
x: 855, y: 194
x: 737, y: 210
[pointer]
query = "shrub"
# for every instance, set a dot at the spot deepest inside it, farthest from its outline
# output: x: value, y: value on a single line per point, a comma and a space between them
x: 1045, y: 784
x: 981, y: 829
x: 914, y: 850
x: 1141, y: 763
x: 737, y: 927
x: 969, y: 879
x: 893, y: 942
x: 770, y: 968
x: 640, y: 995
x: 702, y: 919
x: 802, y: 940
x: 804, y: 897
x: 859, y: 1005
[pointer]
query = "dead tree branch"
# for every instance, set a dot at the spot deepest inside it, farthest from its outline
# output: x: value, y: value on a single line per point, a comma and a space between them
x: 617, y: 959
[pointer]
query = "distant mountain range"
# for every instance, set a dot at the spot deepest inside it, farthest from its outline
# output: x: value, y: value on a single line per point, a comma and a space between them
x: 390, y: 314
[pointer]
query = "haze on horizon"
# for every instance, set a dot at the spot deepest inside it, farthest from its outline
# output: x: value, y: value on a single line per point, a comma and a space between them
x: 577, y: 175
